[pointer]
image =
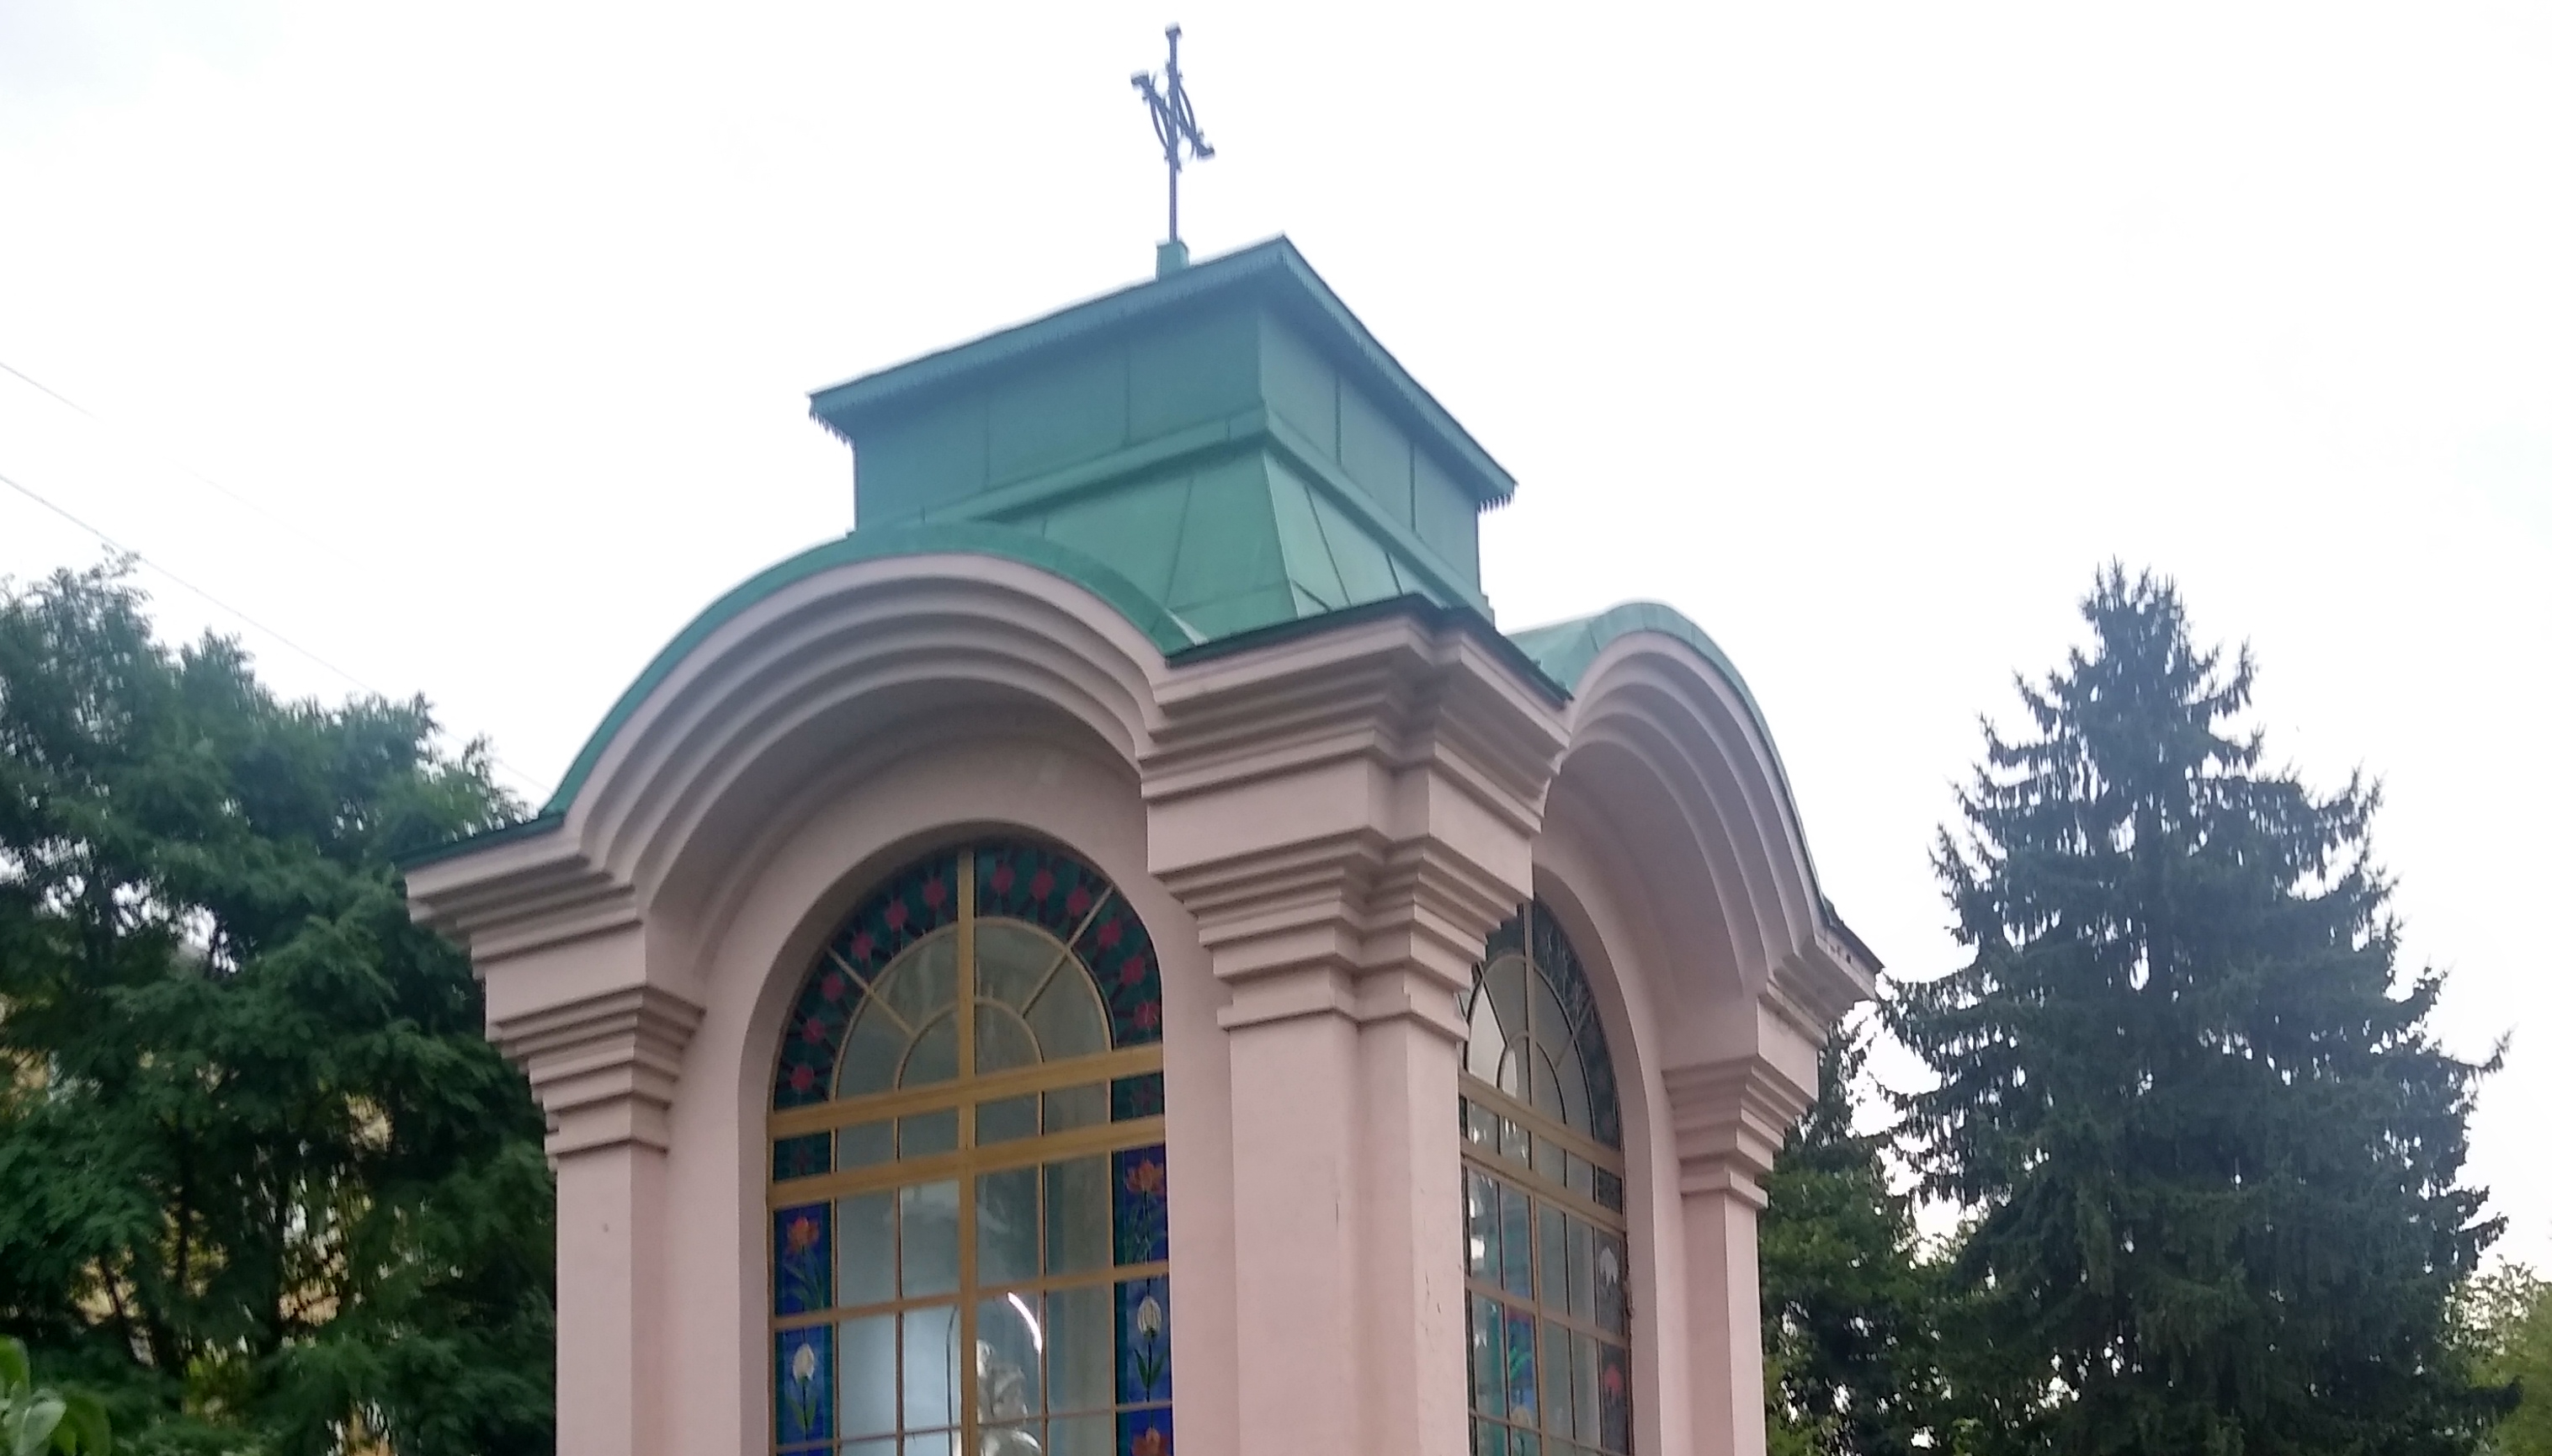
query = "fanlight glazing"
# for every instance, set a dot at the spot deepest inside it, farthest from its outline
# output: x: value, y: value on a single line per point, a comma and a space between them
x: 969, y: 1191
x: 1547, y: 1246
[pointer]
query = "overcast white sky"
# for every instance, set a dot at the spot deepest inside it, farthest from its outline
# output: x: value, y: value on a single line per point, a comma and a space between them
x: 1862, y: 333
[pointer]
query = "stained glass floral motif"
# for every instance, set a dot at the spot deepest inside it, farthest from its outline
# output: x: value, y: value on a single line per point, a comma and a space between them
x: 945, y: 1278
x: 1143, y: 1205
x: 802, y: 1240
x: 1144, y: 1433
x: 1143, y: 1340
x: 1073, y: 903
x: 910, y: 907
x: 802, y: 1156
x: 1134, y: 1098
x: 1546, y: 1262
x: 804, y: 1363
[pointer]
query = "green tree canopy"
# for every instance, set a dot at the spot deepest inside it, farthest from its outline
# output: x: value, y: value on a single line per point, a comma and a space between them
x: 2507, y: 1315
x: 1850, y: 1309
x: 261, y: 1179
x: 2211, y: 1150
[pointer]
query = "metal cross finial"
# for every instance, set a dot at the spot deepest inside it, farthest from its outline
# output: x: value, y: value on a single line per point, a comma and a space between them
x: 1174, y: 121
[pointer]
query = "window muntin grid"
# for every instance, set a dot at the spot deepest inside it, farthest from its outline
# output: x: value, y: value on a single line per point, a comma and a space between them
x: 966, y: 1154
x: 1546, y: 1246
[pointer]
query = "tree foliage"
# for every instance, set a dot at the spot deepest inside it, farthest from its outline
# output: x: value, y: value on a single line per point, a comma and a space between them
x: 1851, y: 1308
x: 2210, y: 1148
x: 2508, y: 1320
x: 261, y: 1179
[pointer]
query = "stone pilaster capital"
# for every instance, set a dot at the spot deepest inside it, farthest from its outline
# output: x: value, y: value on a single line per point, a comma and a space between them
x: 1728, y: 1119
x: 604, y: 1067
x: 1348, y: 813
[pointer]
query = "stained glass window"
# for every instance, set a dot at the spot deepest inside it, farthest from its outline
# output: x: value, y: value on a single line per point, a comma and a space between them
x: 1548, y: 1249
x: 970, y: 1235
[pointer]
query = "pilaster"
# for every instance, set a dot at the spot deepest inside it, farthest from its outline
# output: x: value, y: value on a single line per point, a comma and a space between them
x: 563, y: 951
x: 1347, y: 814
x: 1728, y: 1118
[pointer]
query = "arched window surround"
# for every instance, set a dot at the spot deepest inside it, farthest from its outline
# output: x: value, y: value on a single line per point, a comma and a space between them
x: 1548, y: 1225
x: 1032, y: 1085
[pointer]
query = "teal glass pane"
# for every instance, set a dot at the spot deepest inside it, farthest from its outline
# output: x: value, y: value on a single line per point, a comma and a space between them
x: 865, y: 1228
x: 928, y: 1214
x: 1488, y: 1357
x: 1515, y: 1240
x: 1081, y: 1352
x: 930, y: 1371
x: 868, y: 1376
x: 1009, y: 1360
x: 1521, y: 1368
x: 1006, y: 1228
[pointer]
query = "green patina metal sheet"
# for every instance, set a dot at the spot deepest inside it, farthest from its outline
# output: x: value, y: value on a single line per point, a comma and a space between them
x: 1361, y: 486
x: 1227, y: 545
x: 1307, y: 563
x: 1135, y: 530
x: 1364, y: 567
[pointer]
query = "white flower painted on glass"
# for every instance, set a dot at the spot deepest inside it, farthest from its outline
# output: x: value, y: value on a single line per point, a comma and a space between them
x: 1148, y: 1316
x: 804, y: 1367
x: 1607, y: 1267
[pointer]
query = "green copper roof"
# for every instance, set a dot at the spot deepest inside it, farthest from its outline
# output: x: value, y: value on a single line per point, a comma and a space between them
x: 1272, y: 272
x: 1229, y: 437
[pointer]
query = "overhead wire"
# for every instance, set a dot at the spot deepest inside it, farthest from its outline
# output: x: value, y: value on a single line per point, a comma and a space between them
x: 522, y: 778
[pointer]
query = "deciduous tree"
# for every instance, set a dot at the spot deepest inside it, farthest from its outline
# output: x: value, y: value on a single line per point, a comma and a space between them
x: 261, y: 1175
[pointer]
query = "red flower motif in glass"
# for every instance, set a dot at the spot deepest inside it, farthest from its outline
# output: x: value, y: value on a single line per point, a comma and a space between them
x: 933, y: 893
x: 1131, y: 973
x: 861, y: 947
x: 1003, y: 880
x: 1148, y: 1016
x: 834, y: 985
x: 801, y: 1079
x: 1111, y: 933
x: 1041, y: 884
x: 895, y: 914
x: 1076, y: 902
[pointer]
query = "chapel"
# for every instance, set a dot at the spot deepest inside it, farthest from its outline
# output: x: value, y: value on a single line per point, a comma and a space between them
x: 1120, y: 955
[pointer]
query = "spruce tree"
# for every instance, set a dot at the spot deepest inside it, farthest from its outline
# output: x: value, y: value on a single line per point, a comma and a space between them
x: 2209, y: 1146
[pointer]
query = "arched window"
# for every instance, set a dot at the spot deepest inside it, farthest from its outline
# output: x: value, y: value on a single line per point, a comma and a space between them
x: 970, y: 1203
x: 1549, y: 1252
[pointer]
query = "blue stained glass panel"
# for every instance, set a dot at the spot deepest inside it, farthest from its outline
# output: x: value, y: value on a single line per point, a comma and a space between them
x: 1130, y: 1098
x: 1141, y: 1178
x: 1144, y: 1433
x: 804, y: 1400
x: 1143, y: 1340
x: 802, y: 1156
x: 801, y: 1264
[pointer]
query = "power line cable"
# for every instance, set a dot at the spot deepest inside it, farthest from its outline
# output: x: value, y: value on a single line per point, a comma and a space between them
x: 112, y: 544
x: 113, y: 427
